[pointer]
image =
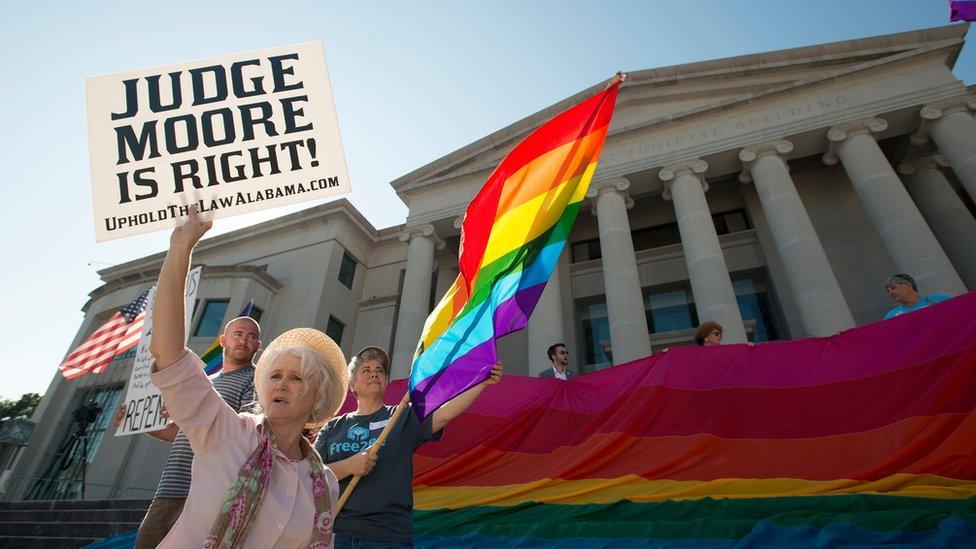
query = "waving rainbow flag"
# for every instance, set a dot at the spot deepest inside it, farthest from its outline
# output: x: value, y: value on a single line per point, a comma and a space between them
x: 513, y: 233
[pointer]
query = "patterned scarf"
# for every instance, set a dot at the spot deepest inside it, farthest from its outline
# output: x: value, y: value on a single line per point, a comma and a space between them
x: 244, y: 497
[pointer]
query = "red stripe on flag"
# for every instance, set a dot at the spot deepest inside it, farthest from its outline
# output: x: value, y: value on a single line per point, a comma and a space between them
x: 95, y: 353
x: 570, y: 125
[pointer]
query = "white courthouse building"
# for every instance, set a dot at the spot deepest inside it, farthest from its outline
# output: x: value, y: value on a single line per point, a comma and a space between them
x: 772, y: 193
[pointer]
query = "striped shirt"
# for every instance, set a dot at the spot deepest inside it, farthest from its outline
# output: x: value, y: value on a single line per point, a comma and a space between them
x: 237, y: 390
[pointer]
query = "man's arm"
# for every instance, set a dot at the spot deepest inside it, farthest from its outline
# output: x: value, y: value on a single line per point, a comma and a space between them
x: 166, y: 434
x: 457, y: 405
x: 167, y: 343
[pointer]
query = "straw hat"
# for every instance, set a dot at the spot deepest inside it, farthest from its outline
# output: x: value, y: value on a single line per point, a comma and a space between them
x: 326, y: 349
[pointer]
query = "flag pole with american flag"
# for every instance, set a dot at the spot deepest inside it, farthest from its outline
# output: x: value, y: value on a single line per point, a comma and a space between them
x: 119, y: 334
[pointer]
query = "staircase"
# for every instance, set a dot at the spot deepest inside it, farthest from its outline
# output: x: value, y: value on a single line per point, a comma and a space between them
x: 71, y: 523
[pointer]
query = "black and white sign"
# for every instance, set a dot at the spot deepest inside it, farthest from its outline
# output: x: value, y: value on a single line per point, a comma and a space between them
x: 143, y: 401
x: 235, y: 134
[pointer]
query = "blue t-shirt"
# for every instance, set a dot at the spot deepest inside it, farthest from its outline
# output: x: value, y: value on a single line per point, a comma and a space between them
x: 380, y: 508
x: 925, y: 301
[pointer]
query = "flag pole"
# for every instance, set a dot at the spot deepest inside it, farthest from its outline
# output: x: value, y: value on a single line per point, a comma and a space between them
x: 373, y: 449
x: 619, y: 77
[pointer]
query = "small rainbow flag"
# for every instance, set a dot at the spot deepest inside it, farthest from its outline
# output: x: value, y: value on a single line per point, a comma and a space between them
x: 213, y: 357
x: 962, y: 10
x: 513, y: 233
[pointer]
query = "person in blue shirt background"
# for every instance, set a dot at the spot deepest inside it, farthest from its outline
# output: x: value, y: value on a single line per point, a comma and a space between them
x: 903, y: 289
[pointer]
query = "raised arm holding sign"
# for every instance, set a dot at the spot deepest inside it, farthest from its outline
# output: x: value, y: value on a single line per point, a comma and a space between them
x: 248, y: 459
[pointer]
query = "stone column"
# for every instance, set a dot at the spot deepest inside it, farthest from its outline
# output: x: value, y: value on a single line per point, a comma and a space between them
x: 629, y: 337
x: 906, y: 237
x: 823, y: 309
x: 546, y: 324
x: 447, y: 273
x: 944, y: 211
x: 415, y: 297
x: 709, y: 275
x: 953, y: 129
x: 447, y: 270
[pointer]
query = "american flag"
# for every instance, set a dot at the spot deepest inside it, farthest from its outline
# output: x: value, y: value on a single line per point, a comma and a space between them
x: 118, y: 335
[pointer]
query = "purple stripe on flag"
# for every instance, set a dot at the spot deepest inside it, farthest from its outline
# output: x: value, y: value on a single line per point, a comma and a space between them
x: 474, y: 366
x: 514, y: 312
x: 465, y: 372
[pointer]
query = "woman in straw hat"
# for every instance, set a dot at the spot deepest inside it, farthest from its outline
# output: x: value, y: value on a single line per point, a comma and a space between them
x: 256, y: 481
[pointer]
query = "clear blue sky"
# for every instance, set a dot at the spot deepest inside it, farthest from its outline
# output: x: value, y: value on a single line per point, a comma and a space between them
x: 413, y: 81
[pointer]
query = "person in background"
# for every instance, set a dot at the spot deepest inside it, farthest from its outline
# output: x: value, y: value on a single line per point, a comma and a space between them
x: 708, y: 334
x: 903, y: 290
x: 559, y: 357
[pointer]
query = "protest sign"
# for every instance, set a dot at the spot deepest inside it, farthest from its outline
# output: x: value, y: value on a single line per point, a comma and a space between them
x: 143, y: 401
x: 234, y: 134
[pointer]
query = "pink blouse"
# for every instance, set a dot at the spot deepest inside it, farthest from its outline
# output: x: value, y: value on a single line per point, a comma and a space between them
x: 222, y: 440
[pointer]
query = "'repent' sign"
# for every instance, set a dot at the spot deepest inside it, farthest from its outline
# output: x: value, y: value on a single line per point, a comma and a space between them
x: 234, y: 134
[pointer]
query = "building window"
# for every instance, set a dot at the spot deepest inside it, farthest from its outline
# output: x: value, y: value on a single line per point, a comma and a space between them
x: 212, y: 319
x: 347, y: 270
x: 108, y: 400
x: 662, y: 235
x: 670, y: 309
x: 334, y: 329
x: 586, y: 250
x: 594, y: 327
x: 63, y: 477
x: 256, y: 313
x: 731, y: 222
x: 754, y: 304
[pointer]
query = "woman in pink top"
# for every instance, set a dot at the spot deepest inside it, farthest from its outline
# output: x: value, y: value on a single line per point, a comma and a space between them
x: 256, y: 481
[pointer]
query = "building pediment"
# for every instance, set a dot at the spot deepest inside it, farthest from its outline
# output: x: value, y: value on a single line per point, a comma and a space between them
x: 667, y: 96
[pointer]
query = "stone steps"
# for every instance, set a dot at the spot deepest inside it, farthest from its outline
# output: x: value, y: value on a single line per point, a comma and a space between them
x: 37, y: 542
x: 58, y: 524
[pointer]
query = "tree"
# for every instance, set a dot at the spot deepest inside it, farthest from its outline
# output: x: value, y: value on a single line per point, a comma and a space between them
x: 19, y: 408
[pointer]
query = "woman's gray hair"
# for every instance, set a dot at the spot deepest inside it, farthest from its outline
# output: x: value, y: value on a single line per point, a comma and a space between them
x: 901, y: 278
x: 366, y: 355
x: 330, y: 393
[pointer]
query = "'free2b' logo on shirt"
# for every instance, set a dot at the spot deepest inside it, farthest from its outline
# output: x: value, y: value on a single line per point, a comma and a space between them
x: 358, y: 439
x: 357, y: 433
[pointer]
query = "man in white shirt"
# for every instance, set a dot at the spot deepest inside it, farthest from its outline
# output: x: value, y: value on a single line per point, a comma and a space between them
x: 560, y: 361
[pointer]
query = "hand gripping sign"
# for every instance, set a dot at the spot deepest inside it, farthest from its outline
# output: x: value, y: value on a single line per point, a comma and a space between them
x: 235, y: 134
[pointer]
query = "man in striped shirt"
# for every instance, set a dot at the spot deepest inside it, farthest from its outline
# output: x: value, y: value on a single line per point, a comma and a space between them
x: 235, y: 383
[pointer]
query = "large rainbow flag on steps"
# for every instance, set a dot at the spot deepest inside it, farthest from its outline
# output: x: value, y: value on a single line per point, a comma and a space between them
x: 513, y: 233
x: 864, y: 438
